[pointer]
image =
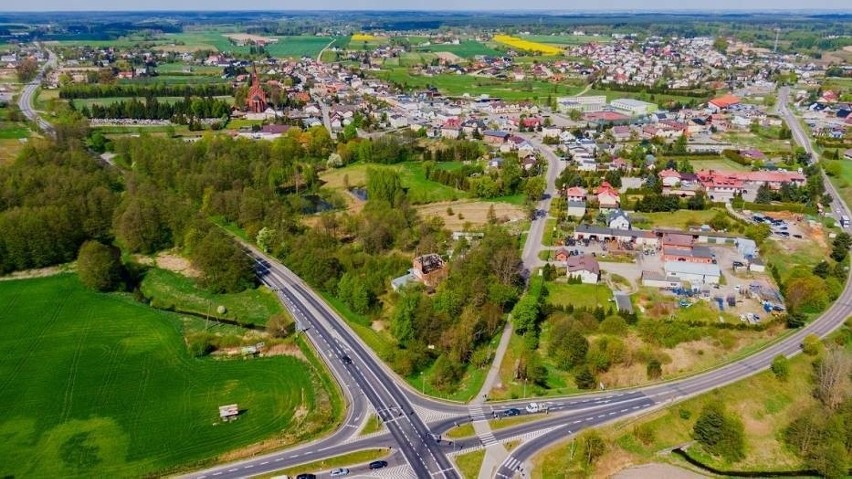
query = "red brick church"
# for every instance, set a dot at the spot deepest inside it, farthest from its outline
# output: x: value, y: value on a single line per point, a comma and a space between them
x: 256, y: 98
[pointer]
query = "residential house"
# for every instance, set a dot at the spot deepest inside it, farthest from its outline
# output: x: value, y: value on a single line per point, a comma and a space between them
x: 585, y: 267
x: 618, y: 220
x: 607, y: 196
x: 397, y: 121
x: 576, y: 193
x: 429, y: 269
x: 495, y: 137
x: 562, y: 255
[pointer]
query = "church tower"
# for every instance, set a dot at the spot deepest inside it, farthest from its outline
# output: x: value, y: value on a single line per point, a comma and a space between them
x: 256, y: 99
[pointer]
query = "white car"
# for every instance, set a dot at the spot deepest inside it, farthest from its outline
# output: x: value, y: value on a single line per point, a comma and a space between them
x: 533, y: 407
x: 339, y: 472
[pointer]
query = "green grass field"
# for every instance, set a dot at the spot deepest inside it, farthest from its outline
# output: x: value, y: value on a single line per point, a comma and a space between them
x: 178, y: 67
x: 287, y: 46
x: 465, y: 49
x: 580, y: 295
x: 680, y: 219
x: 98, y: 385
x: 175, y: 79
x: 657, y: 98
x: 457, y: 85
x: 716, y: 163
x: 13, y: 131
x: 169, y: 290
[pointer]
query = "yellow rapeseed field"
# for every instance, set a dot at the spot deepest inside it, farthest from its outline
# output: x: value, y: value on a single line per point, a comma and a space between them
x: 363, y: 37
x: 521, y: 44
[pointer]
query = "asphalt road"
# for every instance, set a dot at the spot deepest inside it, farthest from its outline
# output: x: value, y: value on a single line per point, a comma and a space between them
x: 25, y: 101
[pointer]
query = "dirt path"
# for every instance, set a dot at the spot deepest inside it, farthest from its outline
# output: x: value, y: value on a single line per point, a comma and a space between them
x: 656, y: 471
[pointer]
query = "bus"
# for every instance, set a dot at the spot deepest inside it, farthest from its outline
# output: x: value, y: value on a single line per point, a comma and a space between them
x: 844, y: 221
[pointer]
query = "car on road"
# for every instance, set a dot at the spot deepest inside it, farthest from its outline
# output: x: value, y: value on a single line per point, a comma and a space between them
x: 346, y: 359
x: 306, y: 476
x: 342, y: 471
x: 533, y: 407
x: 512, y: 412
x: 378, y: 464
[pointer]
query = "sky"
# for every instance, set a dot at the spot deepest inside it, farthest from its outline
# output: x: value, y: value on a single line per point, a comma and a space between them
x: 560, y: 5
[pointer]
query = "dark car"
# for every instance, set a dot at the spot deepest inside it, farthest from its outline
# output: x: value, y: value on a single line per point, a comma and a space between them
x: 378, y: 464
x: 346, y: 359
x: 512, y: 412
x: 306, y: 476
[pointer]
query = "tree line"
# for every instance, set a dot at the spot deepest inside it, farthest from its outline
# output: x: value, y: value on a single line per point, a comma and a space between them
x: 81, y: 91
x: 153, y: 109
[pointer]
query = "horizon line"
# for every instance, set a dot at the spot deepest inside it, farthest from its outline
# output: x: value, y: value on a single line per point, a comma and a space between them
x: 475, y: 10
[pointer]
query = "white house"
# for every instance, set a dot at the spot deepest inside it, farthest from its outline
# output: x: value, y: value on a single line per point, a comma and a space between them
x: 584, y: 267
x: 618, y: 220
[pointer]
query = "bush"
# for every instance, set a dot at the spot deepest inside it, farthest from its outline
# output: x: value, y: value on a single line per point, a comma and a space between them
x: 719, y: 433
x: 644, y: 433
x: 585, y: 379
x: 614, y: 325
x: 811, y: 345
x: 655, y: 369
x: 684, y: 414
x: 780, y: 367
x: 99, y: 266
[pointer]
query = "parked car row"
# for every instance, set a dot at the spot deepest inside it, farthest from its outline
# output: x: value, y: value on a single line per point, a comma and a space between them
x: 342, y: 471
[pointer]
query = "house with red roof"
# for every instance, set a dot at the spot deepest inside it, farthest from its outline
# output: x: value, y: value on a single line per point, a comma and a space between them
x: 607, y: 196
x: 576, y: 193
x: 723, y: 102
x: 670, y: 178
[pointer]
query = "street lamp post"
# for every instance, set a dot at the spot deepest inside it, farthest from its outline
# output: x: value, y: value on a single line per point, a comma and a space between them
x: 422, y: 383
x: 525, y: 388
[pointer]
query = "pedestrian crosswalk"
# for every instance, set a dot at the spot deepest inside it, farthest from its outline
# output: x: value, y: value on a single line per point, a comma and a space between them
x: 512, y: 464
x: 477, y: 413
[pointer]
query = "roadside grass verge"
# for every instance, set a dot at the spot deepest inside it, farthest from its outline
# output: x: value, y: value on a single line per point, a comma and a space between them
x: 470, y: 463
x: 169, y: 290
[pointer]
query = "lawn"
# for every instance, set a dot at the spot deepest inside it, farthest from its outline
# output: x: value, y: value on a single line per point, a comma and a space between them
x: 715, y: 163
x: 98, y: 385
x: 458, y: 85
x: 681, y: 219
x: 579, y: 295
x: 470, y: 463
x: 765, y: 405
x: 13, y: 131
x: 843, y: 180
x: 465, y: 49
x: 745, y: 139
x: 178, y: 67
x: 420, y: 190
x: 168, y: 290
x: 373, y: 425
x: 175, y: 79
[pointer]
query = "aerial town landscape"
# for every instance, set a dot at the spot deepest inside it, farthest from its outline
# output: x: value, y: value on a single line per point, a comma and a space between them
x: 442, y: 242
